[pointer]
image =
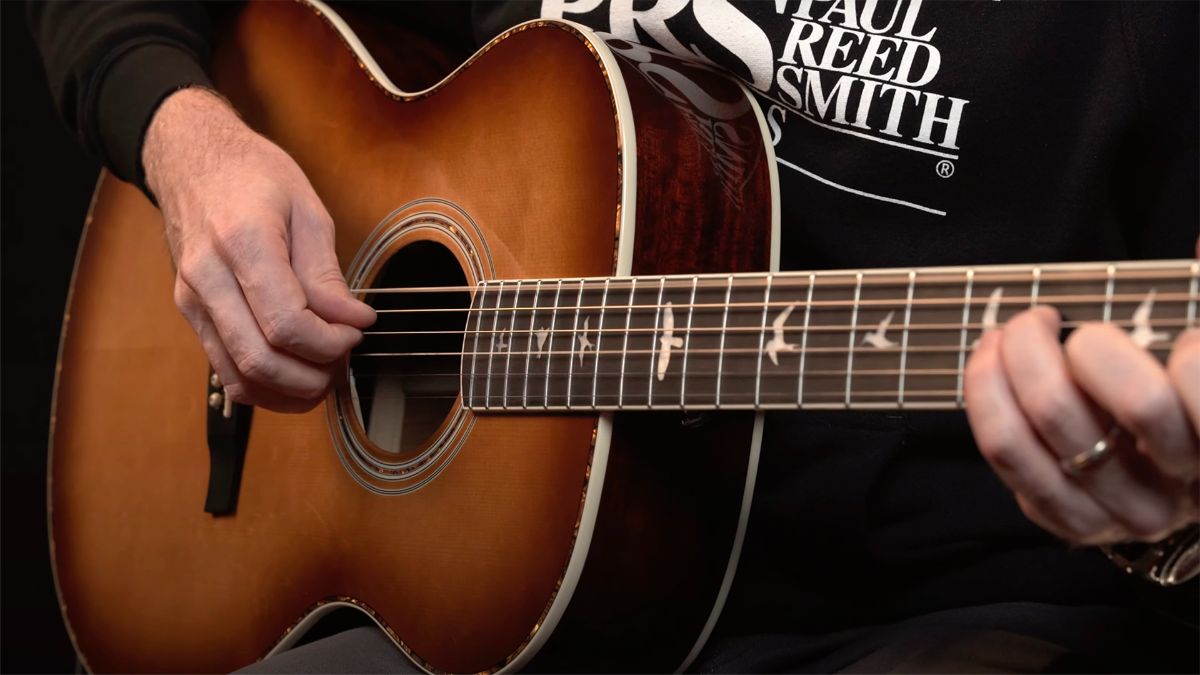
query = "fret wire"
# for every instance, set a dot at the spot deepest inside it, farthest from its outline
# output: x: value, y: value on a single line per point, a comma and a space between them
x: 912, y: 280
x: 762, y: 339
x: 574, y: 341
x: 529, y: 345
x: 487, y: 396
x: 962, y: 343
x: 1193, y: 287
x: 512, y: 335
x: 804, y: 340
x: 625, y: 346
x: 662, y: 283
x: 1033, y: 291
x: 721, y: 347
x: 853, y: 330
x: 550, y: 342
x: 1108, y: 292
x: 599, y: 339
x: 838, y: 304
x: 475, y: 353
x: 687, y: 342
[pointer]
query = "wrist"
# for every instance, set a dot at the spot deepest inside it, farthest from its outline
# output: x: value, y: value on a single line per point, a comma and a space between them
x: 183, y: 138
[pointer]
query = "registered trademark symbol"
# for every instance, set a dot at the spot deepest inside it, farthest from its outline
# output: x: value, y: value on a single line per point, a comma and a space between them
x: 945, y: 168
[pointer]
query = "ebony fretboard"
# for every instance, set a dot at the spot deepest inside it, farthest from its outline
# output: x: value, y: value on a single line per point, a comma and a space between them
x: 846, y: 339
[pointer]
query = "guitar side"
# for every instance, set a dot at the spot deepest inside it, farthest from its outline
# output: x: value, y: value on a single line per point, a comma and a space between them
x: 464, y: 572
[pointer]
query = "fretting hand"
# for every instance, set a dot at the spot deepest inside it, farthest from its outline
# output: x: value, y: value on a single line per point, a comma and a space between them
x: 256, y: 273
x: 1035, y: 406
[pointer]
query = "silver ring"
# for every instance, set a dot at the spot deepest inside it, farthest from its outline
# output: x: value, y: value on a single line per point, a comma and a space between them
x: 1075, y: 465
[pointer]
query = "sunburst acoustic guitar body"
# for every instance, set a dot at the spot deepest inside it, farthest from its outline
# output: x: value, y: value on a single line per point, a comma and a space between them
x: 477, y: 540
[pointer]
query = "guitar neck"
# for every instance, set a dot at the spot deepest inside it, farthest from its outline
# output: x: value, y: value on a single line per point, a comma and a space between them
x: 865, y: 339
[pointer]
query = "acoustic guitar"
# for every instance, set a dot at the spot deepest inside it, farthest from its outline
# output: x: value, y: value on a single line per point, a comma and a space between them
x: 543, y: 455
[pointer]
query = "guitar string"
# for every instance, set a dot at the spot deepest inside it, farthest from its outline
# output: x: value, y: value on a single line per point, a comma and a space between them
x: 755, y: 330
x: 831, y: 304
x: 634, y: 352
x: 829, y: 279
x: 671, y: 399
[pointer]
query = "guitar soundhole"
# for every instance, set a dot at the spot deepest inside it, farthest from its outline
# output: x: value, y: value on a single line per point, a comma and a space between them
x: 405, y: 374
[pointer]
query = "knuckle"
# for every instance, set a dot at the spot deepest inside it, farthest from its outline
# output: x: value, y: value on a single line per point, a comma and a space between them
x: 235, y: 238
x: 999, y: 448
x: 182, y: 296
x: 236, y: 391
x: 280, y: 328
x: 1050, y: 409
x: 256, y: 366
x: 1147, y: 408
x: 1150, y: 524
x: 191, y: 268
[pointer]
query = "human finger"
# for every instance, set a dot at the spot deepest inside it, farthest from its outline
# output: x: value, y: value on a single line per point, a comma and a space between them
x: 1131, y: 385
x: 256, y: 359
x: 314, y: 260
x: 1183, y: 367
x: 256, y: 251
x: 1070, y: 423
x: 1019, y: 458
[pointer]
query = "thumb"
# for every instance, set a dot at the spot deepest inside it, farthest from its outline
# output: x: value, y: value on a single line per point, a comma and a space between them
x: 316, y: 266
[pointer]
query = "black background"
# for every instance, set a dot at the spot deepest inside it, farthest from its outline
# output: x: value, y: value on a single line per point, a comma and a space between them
x: 45, y: 187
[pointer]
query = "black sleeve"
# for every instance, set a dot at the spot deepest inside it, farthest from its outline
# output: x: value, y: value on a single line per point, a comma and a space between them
x: 110, y: 64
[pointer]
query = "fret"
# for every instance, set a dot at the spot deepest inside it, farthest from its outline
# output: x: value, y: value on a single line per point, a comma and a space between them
x: 475, y: 349
x: 812, y: 282
x: 599, y: 341
x: 825, y: 353
x: 762, y: 342
x: 962, y: 341
x: 487, y: 396
x: 609, y: 368
x: 934, y: 351
x: 625, y: 345
x: 549, y: 354
x: 721, y: 348
x: 1193, y: 287
x: 1067, y: 290
x: 574, y: 341
x: 743, y: 349
x: 877, y: 368
x: 655, y: 357
x: 1108, y: 292
x: 702, y: 344
x: 1033, y: 289
x: 673, y: 363
x: 853, y: 330
x: 992, y: 304
x: 1151, y: 311
x: 512, y: 325
x: 687, y: 342
x: 537, y: 291
x: 908, y: 305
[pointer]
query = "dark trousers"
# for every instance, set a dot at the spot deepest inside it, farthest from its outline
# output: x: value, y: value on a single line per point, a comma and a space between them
x: 1009, y: 637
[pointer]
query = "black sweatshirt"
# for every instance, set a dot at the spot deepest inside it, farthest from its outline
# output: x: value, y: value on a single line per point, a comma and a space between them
x: 911, y: 134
